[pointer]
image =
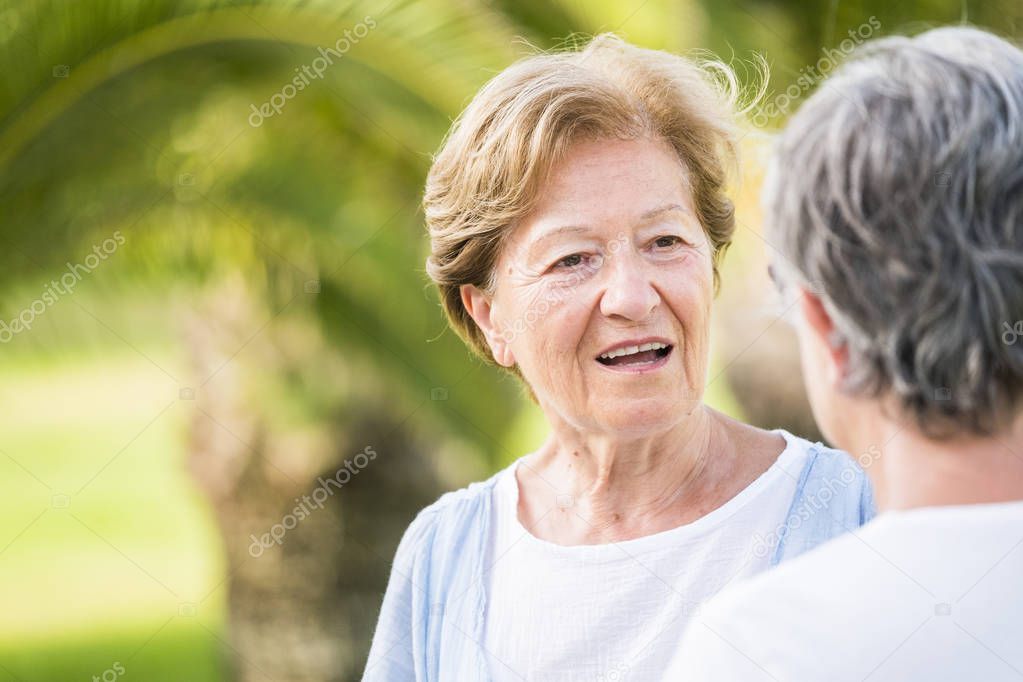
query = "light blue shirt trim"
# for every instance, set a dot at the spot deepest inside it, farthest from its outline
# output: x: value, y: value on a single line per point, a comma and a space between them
x: 431, y: 622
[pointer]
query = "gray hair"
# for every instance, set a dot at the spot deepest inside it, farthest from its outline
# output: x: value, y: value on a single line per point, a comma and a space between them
x: 896, y: 194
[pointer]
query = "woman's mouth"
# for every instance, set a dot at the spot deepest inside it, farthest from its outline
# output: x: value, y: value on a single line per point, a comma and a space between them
x: 637, y: 358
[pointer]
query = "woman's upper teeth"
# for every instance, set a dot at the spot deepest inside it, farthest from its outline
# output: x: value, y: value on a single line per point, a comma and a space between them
x: 629, y: 350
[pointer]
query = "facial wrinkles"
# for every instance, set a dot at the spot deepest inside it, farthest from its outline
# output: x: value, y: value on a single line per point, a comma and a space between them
x: 554, y: 316
x: 537, y: 292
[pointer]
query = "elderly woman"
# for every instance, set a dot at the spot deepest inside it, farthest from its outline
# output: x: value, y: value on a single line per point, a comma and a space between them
x: 906, y: 211
x: 577, y: 218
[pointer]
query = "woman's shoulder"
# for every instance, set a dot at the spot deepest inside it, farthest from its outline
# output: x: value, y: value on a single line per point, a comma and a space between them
x: 824, y: 461
x: 439, y: 554
x: 833, y: 496
x: 450, y: 517
x: 455, y: 502
x: 822, y: 468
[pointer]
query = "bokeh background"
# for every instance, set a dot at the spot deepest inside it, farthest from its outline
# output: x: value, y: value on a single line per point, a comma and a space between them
x: 213, y: 296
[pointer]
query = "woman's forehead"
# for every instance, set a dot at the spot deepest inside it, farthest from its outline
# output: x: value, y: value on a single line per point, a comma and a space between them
x: 562, y: 223
x: 594, y: 177
x: 608, y: 162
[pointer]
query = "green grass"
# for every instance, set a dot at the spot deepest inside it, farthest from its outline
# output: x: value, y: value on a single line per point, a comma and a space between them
x: 150, y: 651
x: 108, y: 553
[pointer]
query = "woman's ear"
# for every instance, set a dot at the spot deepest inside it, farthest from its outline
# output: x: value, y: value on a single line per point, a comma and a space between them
x: 822, y: 330
x: 481, y: 309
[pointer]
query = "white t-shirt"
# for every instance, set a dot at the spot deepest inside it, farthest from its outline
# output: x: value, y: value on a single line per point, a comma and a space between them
x: 614, y: 612
x: 931, y: 594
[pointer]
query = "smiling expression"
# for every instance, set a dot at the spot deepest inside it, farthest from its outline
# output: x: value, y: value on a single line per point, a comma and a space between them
x: 603, y: 291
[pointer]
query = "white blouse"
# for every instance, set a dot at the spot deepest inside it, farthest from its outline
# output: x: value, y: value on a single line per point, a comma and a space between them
x: 617, y: 611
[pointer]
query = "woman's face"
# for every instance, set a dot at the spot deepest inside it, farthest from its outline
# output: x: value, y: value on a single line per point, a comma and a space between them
x: 612, y: 257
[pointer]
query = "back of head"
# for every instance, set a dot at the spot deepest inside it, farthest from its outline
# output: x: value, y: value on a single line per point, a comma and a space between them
x: 897, y: 191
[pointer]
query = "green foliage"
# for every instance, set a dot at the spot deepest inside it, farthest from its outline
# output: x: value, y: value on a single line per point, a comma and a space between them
x: 135, y: 117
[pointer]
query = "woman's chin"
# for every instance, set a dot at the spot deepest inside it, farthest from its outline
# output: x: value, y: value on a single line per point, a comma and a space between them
x: 638, y: 416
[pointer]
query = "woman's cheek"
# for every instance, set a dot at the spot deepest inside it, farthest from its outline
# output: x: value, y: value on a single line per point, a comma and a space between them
x: 559, y: 293
x: 697, y: 272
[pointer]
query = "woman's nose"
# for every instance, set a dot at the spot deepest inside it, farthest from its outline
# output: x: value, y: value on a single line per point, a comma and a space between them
x: 629, y: 292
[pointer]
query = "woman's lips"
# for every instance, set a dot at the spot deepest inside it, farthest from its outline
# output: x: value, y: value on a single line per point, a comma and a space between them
x: 638, y: 363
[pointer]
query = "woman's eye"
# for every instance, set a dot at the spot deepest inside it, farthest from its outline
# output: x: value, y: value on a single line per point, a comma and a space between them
x: 569, y: 261
x: 667, y: 241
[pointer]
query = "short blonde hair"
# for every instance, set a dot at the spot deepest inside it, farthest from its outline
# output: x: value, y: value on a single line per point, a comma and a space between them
x: 490, y: 168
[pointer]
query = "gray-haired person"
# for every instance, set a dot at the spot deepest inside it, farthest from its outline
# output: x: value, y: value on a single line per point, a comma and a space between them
x: 896, y: 197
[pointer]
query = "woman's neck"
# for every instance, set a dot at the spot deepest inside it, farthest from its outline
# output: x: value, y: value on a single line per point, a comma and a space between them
x: 915, y: 471
x: 594, y: 489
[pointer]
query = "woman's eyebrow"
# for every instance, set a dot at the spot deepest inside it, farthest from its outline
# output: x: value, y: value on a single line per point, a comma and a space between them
x: 562, y: 229
x: 534, y: 248
x: 653, y: 213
